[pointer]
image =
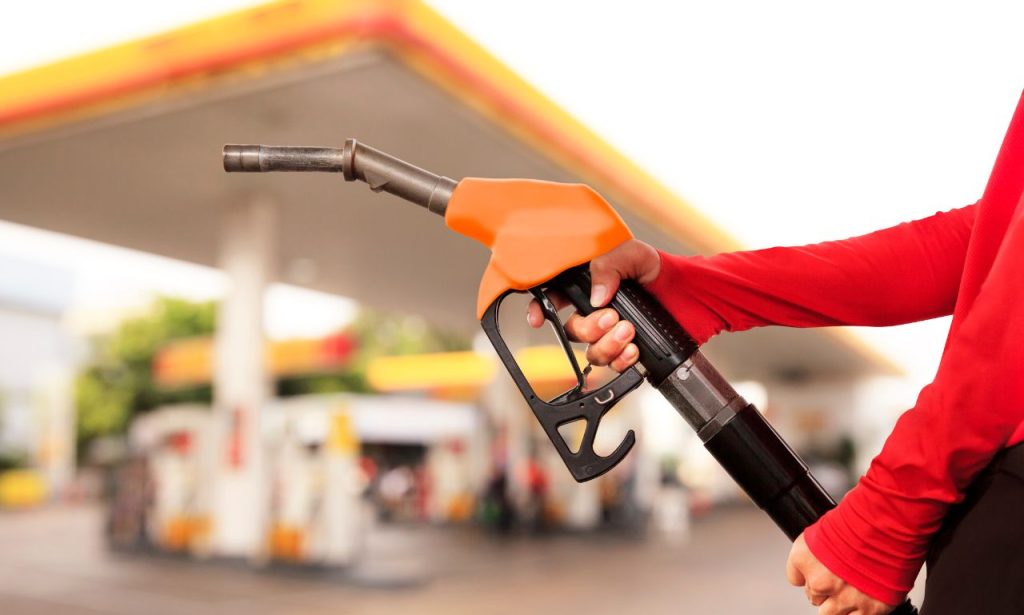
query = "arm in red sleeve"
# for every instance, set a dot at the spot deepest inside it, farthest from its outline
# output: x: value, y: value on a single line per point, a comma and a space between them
x: 878, y: 536
x: 902, y: 274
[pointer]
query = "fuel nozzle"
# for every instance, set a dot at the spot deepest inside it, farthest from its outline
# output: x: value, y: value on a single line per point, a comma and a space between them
x: 355, y: 161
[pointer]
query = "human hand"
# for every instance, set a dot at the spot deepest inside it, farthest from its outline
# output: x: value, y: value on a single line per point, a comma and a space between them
x: 832, y: 595
x: 610, y: 340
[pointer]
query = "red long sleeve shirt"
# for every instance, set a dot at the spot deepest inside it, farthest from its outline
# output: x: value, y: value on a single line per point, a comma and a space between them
x: 967, y: 262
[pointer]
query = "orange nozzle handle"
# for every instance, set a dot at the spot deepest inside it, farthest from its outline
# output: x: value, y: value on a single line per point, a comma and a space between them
x: 535, y: 230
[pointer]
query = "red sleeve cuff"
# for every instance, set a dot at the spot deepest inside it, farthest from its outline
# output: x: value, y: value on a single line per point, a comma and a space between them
x: 848, y: 557
x: 680, y: 294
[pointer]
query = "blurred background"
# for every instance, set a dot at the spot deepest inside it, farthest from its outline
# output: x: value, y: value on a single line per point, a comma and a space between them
x: 269, y: 394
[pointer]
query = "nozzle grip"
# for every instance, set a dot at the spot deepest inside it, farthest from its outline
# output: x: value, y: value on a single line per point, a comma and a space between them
x: 663, y: 343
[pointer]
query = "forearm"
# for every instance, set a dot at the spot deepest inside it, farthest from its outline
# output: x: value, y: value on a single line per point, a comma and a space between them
x: 901, y: 274
x: 879, y: 535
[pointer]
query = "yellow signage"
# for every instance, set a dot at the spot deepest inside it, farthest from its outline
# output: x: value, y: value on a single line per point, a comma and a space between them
x: 190, y: 361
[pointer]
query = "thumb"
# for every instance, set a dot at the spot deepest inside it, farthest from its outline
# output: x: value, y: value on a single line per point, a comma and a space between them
x: 633, y: 259
x: 604, y: 279
x: 793, y: 574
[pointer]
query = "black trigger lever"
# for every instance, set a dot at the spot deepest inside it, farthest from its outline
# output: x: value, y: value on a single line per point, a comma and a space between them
x: 547, y: 308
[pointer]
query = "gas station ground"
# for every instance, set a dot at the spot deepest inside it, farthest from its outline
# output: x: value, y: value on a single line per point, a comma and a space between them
x: 54, y: 561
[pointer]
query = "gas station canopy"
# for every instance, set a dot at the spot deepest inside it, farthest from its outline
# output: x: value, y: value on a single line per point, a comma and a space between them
x: 123, y: 146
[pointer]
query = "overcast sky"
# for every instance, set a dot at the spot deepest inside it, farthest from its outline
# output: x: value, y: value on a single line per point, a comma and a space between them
x: 785, y: 122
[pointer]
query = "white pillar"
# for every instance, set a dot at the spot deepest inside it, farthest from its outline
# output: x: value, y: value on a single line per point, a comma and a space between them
x: 240, y: 384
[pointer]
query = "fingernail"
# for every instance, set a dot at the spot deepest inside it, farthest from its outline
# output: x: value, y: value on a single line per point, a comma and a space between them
x: 622, y: 332
x: 607, y: 320
x: 629, y: 352
x: 597, y: 295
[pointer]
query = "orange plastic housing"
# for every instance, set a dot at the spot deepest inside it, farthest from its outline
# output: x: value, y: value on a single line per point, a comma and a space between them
x: 535, y: 229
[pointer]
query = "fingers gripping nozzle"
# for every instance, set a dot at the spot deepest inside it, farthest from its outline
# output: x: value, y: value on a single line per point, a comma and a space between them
x: 382, y: 172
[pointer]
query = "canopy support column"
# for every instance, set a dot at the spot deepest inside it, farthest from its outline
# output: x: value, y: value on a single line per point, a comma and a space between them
x: 241, y: 383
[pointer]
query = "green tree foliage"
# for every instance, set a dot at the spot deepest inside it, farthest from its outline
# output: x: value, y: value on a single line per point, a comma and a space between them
x: 118, y: 382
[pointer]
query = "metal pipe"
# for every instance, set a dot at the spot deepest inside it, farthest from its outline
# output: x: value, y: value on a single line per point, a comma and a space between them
x: 382, y: 172
x: 264, y: 158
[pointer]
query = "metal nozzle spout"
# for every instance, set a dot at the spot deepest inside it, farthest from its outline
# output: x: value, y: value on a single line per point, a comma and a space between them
x: 356, y: 161
x: 262, y: 158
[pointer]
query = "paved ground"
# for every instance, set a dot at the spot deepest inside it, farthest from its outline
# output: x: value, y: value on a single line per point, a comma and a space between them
x: 54, y: 562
